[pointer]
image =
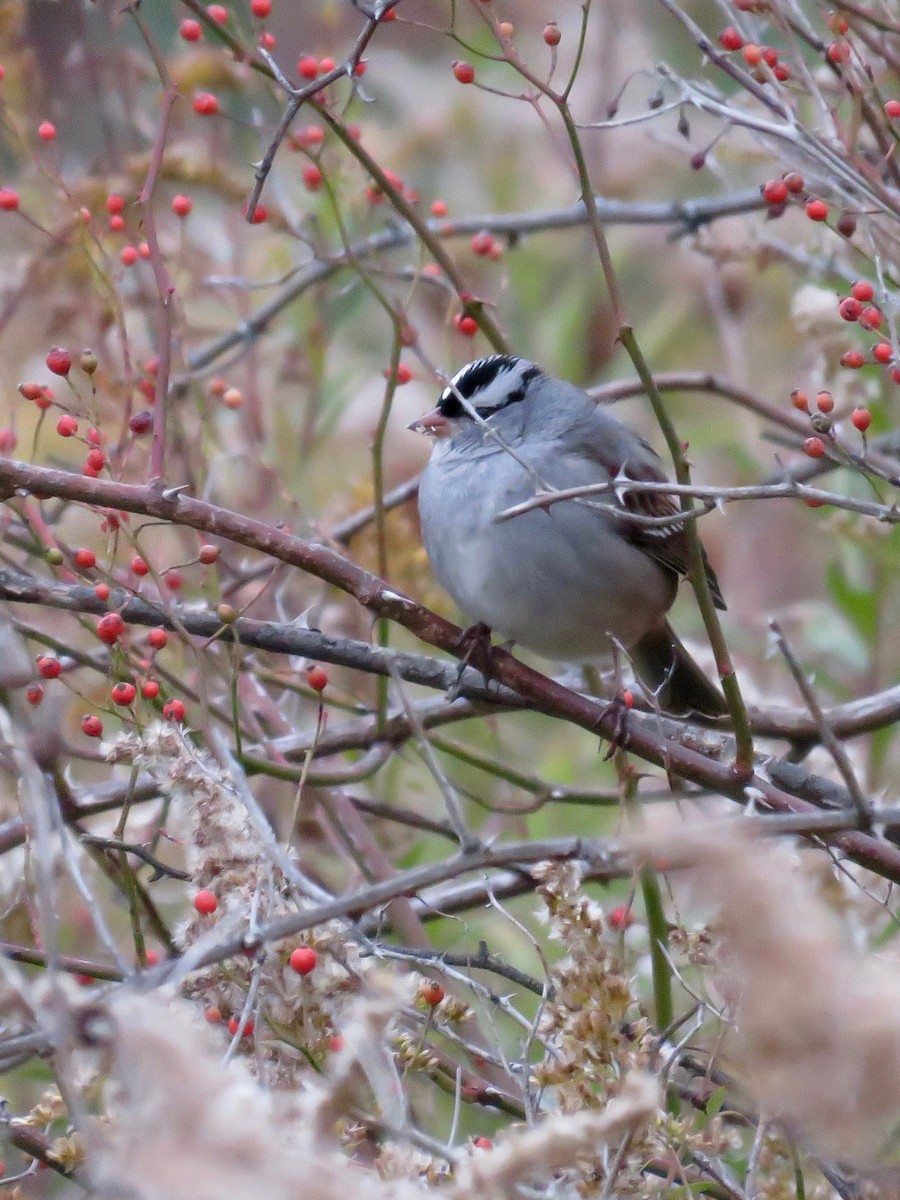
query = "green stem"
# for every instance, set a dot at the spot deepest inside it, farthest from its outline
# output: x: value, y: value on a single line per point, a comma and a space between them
x: 653, y: 902
x: 659, y: 945
x: 471, y: 305
x: 743, y: 761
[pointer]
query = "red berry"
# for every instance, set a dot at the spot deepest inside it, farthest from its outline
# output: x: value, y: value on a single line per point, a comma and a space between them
x: 101, y: 591
x: 800, y: 400
x: 464, y: 72
x: 317, y: 678
x: 116, y: 223
x: 312, y: 177
x: 853, y: 359
x: 620, y: 917
x: 267, y: 40
x: 182, y: 205
x: 838, y: 52
x: 814, y: 447
x: 49, y: 667
x: 309, y: 136
x: 213, y: 1015
x: 439, y: 208
x: 85, y: 559
x: 775, y: 191
x: 303, y: 960
x: 551, y: 34
x: 260, y: 8
x: 110, y: 628
x: 782, y: 72
x: 158, y: 638
x: 482, y: 243
x: 817, y: 210
x: 115, y: 204
x: 730, y: 39
x: 59, y: 361
x: 753, y: 54
x: 173, y: 710
x: 35, y: 694
x: 850, y: 308
x: 205, y: 902
x: 336, y: 1042
x: 432, y: 993
x: 92, y: 726
x: 66, y: 426
x: 139, y: 566
x: 141, y: 422
x: 404, y: 373
x: 205, y: 104
x: 150, y: 689
x: 190, y: 31
x: 9, y: 200
x: 824, y: 402
x: 218, y: 13
x: 892, y: 109
x: 234, y: 1025
x: 861, y: 418
x: 123, y: 693
x: 360, y: 68
x: 465, y: 325
x: 871, y: 318
x: 862, y: 290
x: 208, y: 554
x: 47, y: 131
x: 883, y: 352
x: 173, y: 581
x: 96, y: 458
x: 483, y: 1143
x: 326, y: 65
x: 794, y: 182
x: 308, y: 67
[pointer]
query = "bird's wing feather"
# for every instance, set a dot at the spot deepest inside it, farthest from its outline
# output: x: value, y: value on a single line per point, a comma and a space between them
x: 603, y: 443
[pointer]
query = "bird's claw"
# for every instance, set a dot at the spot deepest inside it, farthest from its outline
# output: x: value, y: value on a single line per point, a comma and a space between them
x: 475, y: 645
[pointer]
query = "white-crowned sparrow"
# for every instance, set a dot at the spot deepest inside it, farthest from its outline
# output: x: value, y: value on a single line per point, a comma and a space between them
x: 568, y: 580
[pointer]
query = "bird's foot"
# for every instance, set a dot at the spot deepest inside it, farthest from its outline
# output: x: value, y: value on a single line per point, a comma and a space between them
x: 619, y: 708
x: 474, y: 644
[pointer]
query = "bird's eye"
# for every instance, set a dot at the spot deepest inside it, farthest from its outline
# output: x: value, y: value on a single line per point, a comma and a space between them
x: 450, y: 406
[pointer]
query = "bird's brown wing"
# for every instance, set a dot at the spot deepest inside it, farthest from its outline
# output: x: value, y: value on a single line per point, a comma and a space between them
x: 665, y: 544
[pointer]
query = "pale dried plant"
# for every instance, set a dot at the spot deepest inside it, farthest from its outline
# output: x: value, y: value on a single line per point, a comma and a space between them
x: 228, y: 852
x: 593, y: 1023
x: 179, y: 1123
x: 559, y: 1142
x: 814, y: 1025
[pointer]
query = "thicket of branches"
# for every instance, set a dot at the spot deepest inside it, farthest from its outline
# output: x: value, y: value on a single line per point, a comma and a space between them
x: 293, y: 902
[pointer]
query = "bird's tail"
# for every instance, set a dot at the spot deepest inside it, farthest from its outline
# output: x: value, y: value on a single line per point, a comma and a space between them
x: 668, y: 670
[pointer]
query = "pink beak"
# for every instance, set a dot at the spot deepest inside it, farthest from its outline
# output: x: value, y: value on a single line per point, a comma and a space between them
x: 433, y: 423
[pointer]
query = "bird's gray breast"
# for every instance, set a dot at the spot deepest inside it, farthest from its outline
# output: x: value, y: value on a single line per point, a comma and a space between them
x: 559, y: 580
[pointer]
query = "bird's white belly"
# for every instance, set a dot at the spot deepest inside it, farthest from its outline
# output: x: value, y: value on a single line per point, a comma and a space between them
x: 547, y: 583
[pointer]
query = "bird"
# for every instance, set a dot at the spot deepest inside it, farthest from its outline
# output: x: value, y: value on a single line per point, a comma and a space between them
x: 574, y: 579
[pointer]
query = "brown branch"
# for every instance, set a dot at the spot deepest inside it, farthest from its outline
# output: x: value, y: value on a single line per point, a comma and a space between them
x: 374, y: 594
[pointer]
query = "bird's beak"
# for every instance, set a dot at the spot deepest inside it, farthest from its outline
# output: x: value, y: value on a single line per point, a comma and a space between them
x: 433, y: 423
